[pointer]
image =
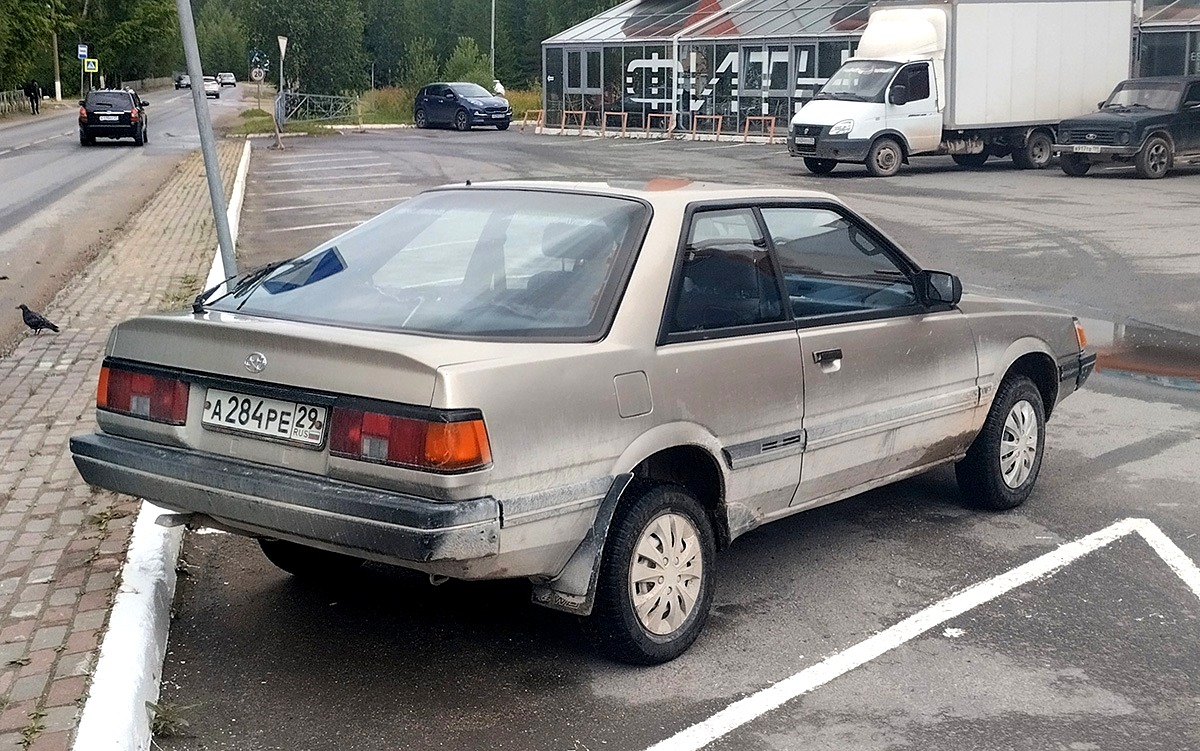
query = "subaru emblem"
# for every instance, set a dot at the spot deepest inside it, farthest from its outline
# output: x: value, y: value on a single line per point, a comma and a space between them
x: 256, y: 362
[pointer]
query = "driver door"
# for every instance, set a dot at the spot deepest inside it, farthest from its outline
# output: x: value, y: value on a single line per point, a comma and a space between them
x: 919, y: 119
x: 1189, y: 120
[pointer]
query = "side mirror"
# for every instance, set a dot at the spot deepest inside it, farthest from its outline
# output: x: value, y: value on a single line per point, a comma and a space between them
x: 937, y: 288
x: 82, y: 103
x: 1099, y: 105
x: 145, y: 103
x: 451, y: 96
x: 899, y: 95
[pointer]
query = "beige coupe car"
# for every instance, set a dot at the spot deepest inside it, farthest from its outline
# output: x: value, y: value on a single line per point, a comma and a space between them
x: 592, y: 386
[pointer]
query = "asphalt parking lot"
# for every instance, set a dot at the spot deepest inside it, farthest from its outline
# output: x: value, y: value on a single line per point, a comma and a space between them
x: 1099, y: 650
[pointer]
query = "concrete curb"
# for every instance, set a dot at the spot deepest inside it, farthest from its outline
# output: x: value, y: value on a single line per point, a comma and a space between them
x: 129, y: 669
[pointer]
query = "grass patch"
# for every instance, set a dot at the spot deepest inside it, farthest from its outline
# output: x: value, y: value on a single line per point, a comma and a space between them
x: 523, y: 100
x: 253, y: 112
x: 182, y: 292
x: 167, y: 720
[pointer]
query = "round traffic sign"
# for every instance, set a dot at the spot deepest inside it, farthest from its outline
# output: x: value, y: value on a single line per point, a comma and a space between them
x: 257, y: 74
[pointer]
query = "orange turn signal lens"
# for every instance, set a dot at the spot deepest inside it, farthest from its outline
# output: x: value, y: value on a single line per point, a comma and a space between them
x: 1080, y: 335
x: 457, y: 445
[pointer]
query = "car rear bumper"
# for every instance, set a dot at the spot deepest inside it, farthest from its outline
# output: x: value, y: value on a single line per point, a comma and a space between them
x: 120, y: 130
x: 264, y: 501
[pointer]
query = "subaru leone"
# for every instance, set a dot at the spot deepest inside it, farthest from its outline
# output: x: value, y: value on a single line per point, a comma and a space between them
x: 595, y: 387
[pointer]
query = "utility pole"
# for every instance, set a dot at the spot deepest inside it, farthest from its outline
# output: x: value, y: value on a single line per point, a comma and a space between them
x: 493, y: 55
x: 208, y: 147
x: 57, y: 77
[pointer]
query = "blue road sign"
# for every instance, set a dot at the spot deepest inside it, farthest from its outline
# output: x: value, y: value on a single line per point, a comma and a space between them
x: 82, y: 52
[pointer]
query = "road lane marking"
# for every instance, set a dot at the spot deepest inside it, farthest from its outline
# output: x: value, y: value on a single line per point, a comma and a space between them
x: 399, y: 199
x: 754, y: 706
x: 339, y: 156
x: 316, y: 226
x: 331, y: 177
x: 341, y: 188
x: 306, y: 168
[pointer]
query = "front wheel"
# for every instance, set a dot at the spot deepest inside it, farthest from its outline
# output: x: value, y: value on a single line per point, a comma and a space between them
x: 1036, y: 152
x: 304, y: 562
x: 462, y: 121
x: 655, y: 585
x: 1074, y: 165
x: 502, y: 126
x: 884, y: 158
x: 971, y: 161
x: 1002, y: 463
x: 1154, y: 160
x: 420, y: 119
x: 819, y: 166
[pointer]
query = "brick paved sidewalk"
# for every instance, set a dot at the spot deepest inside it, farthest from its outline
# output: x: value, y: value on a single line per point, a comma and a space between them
x: 61, y: 543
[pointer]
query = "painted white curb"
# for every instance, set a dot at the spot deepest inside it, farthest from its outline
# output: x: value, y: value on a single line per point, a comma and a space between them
x: 129, y: 669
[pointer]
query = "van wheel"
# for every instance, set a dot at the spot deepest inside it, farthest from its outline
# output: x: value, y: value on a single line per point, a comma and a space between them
x: 1074, y: 165
x: 819, y: 166
x: 1036, y: 152
x: 884, y: 158
x: 655, y: 584
x: 973, y: 161
x: 304, y: 562
x: 1002, y: 463
x: 1154, y: 160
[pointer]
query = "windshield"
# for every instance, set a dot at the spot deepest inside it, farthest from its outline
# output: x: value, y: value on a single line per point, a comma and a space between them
x: 1159, y: 96
x: 859, y: 80
x: 474, y: 263
x: 470, y: 89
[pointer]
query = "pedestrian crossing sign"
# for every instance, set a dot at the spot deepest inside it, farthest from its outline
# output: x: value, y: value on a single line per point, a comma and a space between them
x: 91, y: 65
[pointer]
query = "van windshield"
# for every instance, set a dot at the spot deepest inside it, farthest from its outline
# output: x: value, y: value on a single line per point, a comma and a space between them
x: 1155, y: 95
x: 859, y: 81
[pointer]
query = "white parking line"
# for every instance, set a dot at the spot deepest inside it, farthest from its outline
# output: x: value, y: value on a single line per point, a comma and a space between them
x: 337, y: 156
x: 398, y: 199
x: 329, y: 188
x: 307, y: 168
x: 316, y: 226
x: 744, y: 710
x: 331, y: 177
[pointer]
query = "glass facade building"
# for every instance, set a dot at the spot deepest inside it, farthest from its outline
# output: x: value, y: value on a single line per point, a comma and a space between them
x: 673, y: 60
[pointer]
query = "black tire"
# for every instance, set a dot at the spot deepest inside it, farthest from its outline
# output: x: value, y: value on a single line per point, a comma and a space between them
x: 1154, y: 160
x: 819, y: 166
x: 502, y: 126
x: 1036, y: 153
x: 885, y: 157
x: 462, y: 121
x: 971, y: 161
x: 139, y: 138
x: 1075, y: 165
x: 614, y: 624
x: 85, y: 140
x: 980, y: 475
x: 304, y: 562
x: 420, y: 119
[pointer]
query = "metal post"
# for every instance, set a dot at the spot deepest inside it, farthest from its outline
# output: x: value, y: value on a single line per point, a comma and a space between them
x: 57, y: 77
x: 208, y: 147
x: 493, y: 55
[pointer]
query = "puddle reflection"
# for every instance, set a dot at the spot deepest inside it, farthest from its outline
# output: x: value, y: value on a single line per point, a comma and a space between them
x: 1146, y: 353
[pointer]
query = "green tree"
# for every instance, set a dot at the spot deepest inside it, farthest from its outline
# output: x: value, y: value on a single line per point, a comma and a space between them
x: 221, y: 37
x: 325, y: 42
x: 24, y: 39
x: 420, y: 64
x: 467, y: 63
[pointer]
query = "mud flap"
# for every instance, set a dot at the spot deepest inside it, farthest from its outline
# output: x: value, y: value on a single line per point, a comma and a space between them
x: 574, y: 589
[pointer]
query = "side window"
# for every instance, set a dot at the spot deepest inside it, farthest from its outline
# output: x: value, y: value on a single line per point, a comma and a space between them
x: 726, y: 278
x: 831, y: 266
x: 1192, y: 97
x: 916, y: 79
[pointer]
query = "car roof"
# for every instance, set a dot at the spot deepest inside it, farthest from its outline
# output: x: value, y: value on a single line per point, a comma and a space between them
x: 1165, y: 79
x: 662, y: 191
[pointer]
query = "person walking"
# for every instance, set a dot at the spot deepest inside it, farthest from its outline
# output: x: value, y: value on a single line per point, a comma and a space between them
x: 34, y: 93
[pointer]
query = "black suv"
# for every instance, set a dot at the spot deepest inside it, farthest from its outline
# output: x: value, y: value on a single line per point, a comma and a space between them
x: 112, y: 113
x: 461, y: 105
x: 1147, y: 121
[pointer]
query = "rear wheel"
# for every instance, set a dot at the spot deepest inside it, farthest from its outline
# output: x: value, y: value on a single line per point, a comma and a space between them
x: 139, y: 138
x: 420, y: 119
x: 1036, y: 152
x: 1075, y: 165
x: 819, y: 166
x: 1154, y: 160
x: 655, y: 585
x: 85, y: 140
x: 304, y: 562
x: 1002, y: 463
x: 462, y: 121
x: 970, y: 160
x: 884, y: 158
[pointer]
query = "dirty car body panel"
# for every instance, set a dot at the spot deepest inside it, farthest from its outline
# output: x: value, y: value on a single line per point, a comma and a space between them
x: 480, y: 395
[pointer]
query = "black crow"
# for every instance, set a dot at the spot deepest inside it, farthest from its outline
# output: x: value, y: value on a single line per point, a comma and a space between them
x: 35, y: 320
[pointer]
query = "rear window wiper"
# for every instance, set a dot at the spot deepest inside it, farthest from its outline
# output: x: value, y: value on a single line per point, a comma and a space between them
x: 248, y: 280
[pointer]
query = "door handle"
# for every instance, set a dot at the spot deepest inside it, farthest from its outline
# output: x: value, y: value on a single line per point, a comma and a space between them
x: 827, y: 356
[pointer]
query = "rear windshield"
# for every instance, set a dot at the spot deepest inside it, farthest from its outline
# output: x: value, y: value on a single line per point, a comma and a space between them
x: 109, y: 100
x: 472, y: 263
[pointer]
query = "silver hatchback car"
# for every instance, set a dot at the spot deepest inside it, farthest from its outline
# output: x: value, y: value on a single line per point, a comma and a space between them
x: 592, y: 386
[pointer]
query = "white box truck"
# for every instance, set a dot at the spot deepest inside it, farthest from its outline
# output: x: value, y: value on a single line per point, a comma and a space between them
x: 969, y: 78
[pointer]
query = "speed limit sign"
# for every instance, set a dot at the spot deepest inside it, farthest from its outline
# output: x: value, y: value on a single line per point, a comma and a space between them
x: 257, y: 74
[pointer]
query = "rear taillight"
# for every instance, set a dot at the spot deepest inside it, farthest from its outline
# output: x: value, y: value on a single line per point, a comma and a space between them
x: 409, y: 442
x: 149, y: 397
x: 133, y: 115
x: 83, y: 113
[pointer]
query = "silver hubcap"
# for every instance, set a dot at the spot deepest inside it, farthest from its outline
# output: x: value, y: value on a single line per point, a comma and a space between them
x: 886, y: 159
x: 1157, y: 158
x: 1039, y: 151
x: 664, y: 580
x: 1019, y: 444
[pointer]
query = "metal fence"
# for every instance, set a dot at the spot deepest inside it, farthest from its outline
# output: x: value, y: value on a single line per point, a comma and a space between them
x: 13, y: 101
x: 313, y: 107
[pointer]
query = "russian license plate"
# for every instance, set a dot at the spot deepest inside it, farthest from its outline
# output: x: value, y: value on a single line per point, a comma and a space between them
x: 109, y: 118
x: 1086, y: 149
x: 270, y: 418
x: 806, y: 140
x: 497, y: 115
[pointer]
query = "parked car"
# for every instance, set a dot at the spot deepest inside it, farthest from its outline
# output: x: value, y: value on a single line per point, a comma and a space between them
x: 1148, y: 121
x: 460, y: 105
x: 113, y: 113
x: 226, y: 79
x: 211, y: 87
x: 183, y: 82
x: 595, y: 387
